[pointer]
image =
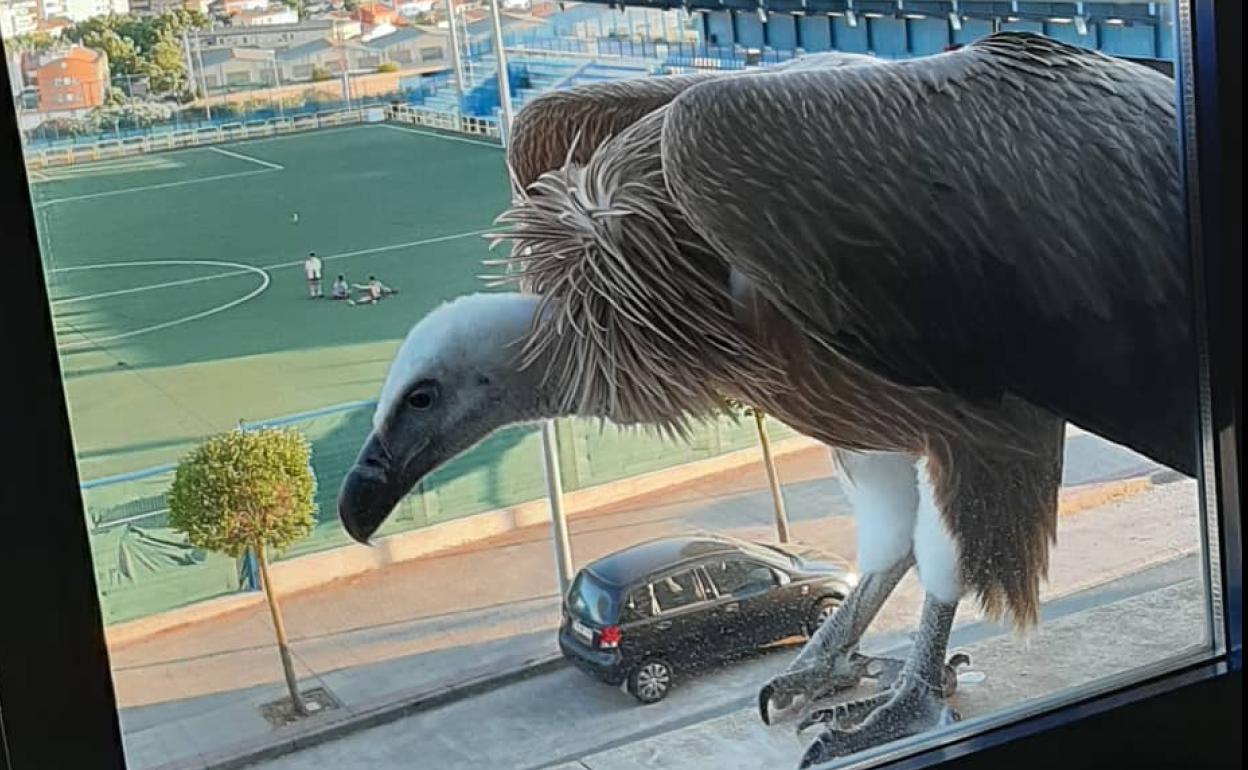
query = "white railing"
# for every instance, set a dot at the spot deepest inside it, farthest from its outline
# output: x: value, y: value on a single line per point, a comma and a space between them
x: 444, y: 121
x: 107, y: 149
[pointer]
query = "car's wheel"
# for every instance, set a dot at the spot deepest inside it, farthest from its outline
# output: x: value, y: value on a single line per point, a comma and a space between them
x: 823, y: 610
x: 651, y: 681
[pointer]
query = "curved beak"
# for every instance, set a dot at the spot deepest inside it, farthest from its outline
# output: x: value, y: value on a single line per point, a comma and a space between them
x: 372, y: 489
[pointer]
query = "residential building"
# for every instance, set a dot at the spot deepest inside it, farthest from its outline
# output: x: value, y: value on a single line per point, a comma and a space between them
x: 50, y: 9
x: 375, y: 13
x: 75, y: 81
x: 412, y: 47
x: 278, y: 35
x: 157, y: 7
x: 299, y: 62
x: 18, y: 17
x: 81, y: 10
x: 54, y: 26
x: 231, y: 7
x: 266, y: 17
x: 238, y: 68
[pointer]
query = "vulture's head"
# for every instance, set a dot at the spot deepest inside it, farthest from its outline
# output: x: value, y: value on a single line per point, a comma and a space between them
x: 456, y: 378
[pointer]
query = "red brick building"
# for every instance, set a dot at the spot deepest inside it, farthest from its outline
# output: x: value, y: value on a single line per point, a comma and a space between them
x: 77, y: 80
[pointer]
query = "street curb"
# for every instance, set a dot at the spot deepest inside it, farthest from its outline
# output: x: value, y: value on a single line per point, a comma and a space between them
x: 1076, y: 500
x: 351, y: 719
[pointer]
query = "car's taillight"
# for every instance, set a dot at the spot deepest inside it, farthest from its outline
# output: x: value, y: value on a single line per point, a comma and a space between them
x: 609, y: 637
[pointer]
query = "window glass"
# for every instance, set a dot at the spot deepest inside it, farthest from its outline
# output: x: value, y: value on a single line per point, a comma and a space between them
x: 640, y: 604
x: 591, y: 600
x: 240, y: 230
x: 736, y: 577
x: 676, y: 591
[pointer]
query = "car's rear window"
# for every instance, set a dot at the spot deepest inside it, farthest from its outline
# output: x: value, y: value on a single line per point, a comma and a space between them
x: 592, y: 601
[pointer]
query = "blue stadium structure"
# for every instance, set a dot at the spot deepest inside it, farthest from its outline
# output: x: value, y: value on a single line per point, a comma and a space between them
x: 901, y: 28
x: 612, y: 39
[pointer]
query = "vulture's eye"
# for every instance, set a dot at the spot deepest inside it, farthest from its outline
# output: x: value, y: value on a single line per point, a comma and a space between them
x: 423, y: 396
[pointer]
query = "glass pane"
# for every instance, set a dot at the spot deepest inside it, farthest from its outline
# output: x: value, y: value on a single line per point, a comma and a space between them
x: 949, y: 271
x: 731, y: 576
x: 676, y: 591
x: 590, y: 600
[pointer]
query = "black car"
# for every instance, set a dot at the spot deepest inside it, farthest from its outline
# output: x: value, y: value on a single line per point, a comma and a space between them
x: 644, y: 614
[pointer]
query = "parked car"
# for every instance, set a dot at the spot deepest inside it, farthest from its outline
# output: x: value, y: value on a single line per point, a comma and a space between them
x: 646, y: 614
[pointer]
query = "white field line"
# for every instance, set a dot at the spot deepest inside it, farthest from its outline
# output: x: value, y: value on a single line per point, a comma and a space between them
x: 239, y: 268
x: 241, y: 271
x: 248, y: 158
x: 162, y: 186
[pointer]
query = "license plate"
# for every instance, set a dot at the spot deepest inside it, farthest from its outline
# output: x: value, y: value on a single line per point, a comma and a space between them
x: 584, y: 632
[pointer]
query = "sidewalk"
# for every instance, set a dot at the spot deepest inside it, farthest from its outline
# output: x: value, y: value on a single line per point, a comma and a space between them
x: 1064, y: 654
x: 417, y: 629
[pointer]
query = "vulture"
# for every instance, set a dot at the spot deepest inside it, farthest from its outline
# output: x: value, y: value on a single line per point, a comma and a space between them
x: 930, y: 265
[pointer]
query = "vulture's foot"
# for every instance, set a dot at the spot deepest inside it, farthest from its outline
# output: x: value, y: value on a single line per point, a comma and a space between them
x: 830, y: 661
x: 915, y: 703
x: 799, y: 687
x: 852, y: 712
x: 911, y: 707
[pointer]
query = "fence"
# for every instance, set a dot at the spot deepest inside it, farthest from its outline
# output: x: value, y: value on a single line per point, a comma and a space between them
x: 216, y: 133
x: 444, y: 121
x: 144, y: 567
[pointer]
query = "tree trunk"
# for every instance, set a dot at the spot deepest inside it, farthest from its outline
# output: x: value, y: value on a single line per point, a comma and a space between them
x: 279, y: 628
x: 773, y: 478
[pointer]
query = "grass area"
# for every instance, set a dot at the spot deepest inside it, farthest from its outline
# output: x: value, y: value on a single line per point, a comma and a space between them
x: 180, y: 306
x: 178, y: 291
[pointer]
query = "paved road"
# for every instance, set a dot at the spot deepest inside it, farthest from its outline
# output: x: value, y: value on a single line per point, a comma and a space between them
x: 490, y: 606
x: 561, y: 716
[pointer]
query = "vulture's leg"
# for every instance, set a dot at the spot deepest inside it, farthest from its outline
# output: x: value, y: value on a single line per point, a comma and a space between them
x: 883, y: 489
x: 830, y: 661
x: 1005, y: 510
x: 915, y: 703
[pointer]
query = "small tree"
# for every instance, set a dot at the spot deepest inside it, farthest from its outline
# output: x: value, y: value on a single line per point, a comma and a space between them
x: 248, y: 491
x: 769, y: 462
x: 320, y: 73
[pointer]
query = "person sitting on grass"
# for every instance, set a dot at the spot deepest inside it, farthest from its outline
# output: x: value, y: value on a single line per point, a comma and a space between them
x: 372, y: 292
x: 340, y: 288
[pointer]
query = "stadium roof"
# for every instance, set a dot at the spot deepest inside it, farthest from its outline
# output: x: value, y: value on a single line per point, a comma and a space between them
x: 401, y: 35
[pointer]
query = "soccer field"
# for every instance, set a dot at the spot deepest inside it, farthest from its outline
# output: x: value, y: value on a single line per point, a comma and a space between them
x: 177, y: 286
x: 181, y: 310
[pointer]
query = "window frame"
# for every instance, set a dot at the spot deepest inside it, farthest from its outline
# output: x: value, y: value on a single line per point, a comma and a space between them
x: 56, y: 671
x: 701, y: 595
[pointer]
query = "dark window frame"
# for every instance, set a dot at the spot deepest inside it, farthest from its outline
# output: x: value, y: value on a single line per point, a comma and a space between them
x: 702, y: 596
x: 57, y: 705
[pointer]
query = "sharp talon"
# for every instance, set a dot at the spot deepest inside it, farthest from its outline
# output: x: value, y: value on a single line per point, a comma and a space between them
x: 951, y: 673
x: 816, y: 753
x: 764, y: 704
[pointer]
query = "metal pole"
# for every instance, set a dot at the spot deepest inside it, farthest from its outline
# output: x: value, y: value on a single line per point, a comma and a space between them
x: 277, y: 82
x: 558, y: 517
x: 550, y: 441
x: 455, y: 52
x: 199, y: 52
x: 773, y: 479
x: 504, y: 82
